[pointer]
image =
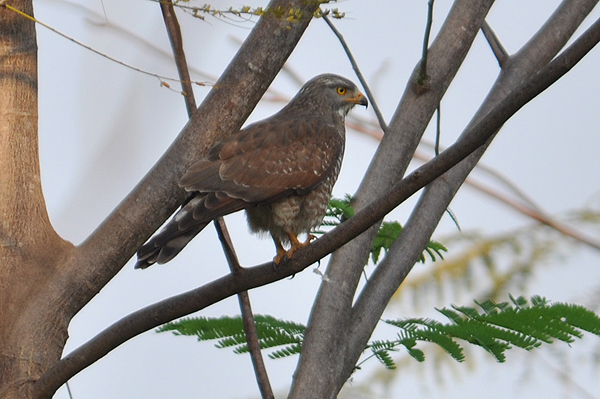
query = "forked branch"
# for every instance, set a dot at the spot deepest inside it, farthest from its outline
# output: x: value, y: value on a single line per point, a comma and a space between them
x: 499, y: 51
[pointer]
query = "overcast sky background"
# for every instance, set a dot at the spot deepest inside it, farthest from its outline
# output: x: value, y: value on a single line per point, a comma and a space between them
x: 102, y: 126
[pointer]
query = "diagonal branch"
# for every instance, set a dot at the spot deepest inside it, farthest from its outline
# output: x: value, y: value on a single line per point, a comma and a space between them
x: 174, y: 32
x: 499, y: 51
x: 523, y: 203
x: 247, y: 315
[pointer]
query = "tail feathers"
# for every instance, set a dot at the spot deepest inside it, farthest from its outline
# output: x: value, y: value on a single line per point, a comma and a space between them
x: 165, y: 246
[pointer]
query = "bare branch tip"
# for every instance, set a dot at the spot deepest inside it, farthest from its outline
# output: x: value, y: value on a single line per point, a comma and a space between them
x: 499, y: 51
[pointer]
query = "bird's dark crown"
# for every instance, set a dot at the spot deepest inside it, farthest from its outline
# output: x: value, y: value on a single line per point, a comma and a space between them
x: 322, y: 94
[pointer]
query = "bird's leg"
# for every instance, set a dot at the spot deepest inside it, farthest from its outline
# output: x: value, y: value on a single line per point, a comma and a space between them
x: 296, y: 244
x: 281, y: 252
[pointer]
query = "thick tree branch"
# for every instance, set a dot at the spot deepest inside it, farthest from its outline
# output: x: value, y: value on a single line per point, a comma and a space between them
x: 30, y: 249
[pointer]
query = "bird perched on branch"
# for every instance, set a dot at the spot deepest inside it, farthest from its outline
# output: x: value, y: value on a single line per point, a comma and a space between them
x: 281, y: 170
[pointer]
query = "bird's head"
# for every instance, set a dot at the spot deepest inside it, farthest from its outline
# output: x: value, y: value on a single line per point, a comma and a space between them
x: 330, y: 92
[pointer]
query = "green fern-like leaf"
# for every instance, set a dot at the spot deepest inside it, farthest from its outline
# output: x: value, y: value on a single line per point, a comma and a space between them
x: 339, y: 210
x: 205, y: 328
x: 381, y: 350
x: 229, y: 332
x: 290, y: 350
x: 388, y: 233
x: 385, y: 358
x: 497, y: 327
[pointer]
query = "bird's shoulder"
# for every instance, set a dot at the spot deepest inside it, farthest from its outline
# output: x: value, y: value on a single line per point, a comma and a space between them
x: 282, y: 133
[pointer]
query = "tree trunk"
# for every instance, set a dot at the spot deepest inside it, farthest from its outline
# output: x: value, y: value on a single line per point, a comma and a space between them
x: 32, y: 334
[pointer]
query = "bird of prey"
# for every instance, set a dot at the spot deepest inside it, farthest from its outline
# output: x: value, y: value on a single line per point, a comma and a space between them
x: 281, y: 170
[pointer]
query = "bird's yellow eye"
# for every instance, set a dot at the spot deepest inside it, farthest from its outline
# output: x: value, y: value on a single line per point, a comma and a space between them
x: 341, y: 91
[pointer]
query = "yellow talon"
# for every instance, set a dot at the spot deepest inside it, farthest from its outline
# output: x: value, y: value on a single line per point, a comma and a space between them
x: 296, y: 244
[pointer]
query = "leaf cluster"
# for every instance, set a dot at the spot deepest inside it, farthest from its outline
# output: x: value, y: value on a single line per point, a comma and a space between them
x: 291, y: 14
x: 339, y: 210
x: 229, y: 333
x: 495, y: 327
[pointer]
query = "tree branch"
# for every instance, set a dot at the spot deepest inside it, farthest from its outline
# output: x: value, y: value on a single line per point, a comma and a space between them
x: 262, y: 378
x: 174, y: 32
x: 30, y: 249
x: 541, y: 48
x: 499, y: 51
x: 538, y: 215
x: 320, y: 363
x: 423, y: 67
x: 260, y: 370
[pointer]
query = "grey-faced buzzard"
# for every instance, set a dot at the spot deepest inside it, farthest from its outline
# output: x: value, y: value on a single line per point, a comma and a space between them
x: 281, y: 170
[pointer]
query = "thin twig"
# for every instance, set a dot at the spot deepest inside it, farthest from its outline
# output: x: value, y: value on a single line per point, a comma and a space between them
x: 539, y: 216
x: 423, y: 73
x: 69, y: 390
x: 262, y: 378
x: 360, y: 76
x: 525, y: 206
x: 228, y: 249
x: 499, y: 51
x: 174, y: 32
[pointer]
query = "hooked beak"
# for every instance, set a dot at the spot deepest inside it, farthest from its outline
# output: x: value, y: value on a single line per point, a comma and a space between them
x: 360, y: 99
